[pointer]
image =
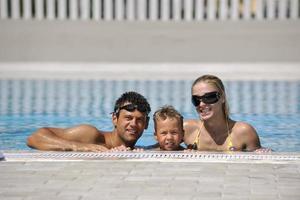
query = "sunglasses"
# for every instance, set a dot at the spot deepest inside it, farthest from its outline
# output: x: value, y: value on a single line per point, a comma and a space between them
x: 133, y: 107
x: 208, y: 98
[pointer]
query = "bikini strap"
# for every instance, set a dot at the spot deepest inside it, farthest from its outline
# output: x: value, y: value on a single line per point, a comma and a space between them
x: 196, y: 141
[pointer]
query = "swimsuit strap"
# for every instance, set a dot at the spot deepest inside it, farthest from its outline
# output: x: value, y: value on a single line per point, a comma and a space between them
x: 230, y: 146
x: 196, y: 141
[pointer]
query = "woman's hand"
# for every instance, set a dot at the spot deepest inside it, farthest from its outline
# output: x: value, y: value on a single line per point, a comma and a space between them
x: 263, y: 150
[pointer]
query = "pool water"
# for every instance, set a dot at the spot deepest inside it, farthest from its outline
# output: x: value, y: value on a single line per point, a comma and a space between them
x: 272, y: 107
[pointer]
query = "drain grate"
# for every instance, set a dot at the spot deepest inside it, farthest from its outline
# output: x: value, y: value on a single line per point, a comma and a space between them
x: 205, y: 156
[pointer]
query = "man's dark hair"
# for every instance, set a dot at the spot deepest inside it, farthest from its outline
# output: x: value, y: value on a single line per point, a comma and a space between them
x: 132, y: 98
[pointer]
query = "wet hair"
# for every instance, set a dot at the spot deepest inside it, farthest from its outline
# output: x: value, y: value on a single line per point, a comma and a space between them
x: 217, y: 83
x: 132, y: 98
x: 165, y: 112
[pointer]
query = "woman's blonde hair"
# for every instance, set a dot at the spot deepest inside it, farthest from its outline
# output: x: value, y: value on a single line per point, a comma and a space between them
x: 216, y: 82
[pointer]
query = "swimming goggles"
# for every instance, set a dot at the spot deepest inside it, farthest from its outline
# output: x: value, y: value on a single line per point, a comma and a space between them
x: 133, y: 107
x: 207, y: 98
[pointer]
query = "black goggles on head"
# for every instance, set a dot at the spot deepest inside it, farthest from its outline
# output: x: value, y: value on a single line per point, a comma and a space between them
x: 208, y: 98
x: 133, y: 107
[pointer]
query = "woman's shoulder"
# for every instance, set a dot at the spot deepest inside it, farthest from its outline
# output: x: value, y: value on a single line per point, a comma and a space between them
x: 247, y: 135
x: 243, y: 129
x: 191, y: 122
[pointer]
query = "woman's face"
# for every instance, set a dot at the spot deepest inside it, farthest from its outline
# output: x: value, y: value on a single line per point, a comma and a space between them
x: 209, y: 100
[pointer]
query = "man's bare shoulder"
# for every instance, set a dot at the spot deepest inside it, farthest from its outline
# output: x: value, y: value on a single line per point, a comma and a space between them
x: 86, y: 133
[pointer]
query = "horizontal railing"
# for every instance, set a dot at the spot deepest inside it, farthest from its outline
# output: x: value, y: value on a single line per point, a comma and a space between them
x: 149, y: 10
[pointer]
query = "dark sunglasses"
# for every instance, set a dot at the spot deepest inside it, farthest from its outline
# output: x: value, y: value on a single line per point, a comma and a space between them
x: 133, y: 107
x: 208, y: 98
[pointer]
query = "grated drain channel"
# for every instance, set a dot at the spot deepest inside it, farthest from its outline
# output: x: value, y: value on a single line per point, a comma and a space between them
x: 148, y: 155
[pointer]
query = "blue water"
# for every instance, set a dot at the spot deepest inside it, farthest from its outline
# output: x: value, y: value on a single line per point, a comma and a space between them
x: 272, y: 107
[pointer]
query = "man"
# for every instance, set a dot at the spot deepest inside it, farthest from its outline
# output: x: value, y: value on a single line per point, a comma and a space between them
x: 130, y: 118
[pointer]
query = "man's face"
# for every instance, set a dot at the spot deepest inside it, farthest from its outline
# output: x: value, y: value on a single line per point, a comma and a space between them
x: 130, y: 125
x: 169, y: 134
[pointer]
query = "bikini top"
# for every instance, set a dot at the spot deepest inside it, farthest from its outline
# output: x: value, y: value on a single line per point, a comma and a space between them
x: 196, y: 142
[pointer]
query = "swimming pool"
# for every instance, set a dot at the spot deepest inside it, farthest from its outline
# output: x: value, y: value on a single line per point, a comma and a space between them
x: 272, y: 107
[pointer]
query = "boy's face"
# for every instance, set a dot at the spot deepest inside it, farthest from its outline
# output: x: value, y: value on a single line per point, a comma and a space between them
x: 169, y: 134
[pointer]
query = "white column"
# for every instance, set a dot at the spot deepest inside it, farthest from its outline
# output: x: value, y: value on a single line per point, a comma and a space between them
x: 108, y: 10
x: 247, y: 9
x: 27, y: 9
x: 165, y: 10
x: 50, y: 9
x: 96, y: 10
x: 153, y: 9
x: 234, y: 11
x: 15, y: 9
x: 177, y: 10
x: 130, y: 10
x: 223, y: 9
x: 270, y: 9
x: 85, y: 9
x: 211, y: 10
x: 141, y: 10
x: 199, y: 10
x: 3, y: 9
x: 62, y: 9
x: 39, y: 10
x: 282, y: 10
x: 74, y: 9
x: 188, y: 10
x: 119, y: 5
x: 294, y: 9
x: 259, y: 9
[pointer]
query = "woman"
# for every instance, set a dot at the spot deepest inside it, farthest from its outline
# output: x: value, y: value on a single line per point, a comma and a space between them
x: 215, y: 131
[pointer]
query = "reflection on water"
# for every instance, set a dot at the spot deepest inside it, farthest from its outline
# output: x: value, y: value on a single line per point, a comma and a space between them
x: 271, y: 106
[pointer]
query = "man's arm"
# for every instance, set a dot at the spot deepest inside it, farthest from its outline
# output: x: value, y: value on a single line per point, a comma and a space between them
x: 79, y: 138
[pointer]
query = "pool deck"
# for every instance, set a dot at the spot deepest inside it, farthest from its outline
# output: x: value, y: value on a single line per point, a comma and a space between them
x: 115, y: 178
x: 137, y: 50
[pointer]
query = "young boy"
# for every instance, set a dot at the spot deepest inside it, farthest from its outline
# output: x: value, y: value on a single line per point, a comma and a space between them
x: 168, y: 129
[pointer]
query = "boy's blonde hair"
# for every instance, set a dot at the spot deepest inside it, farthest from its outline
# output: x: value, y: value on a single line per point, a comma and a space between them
x: 165, y: 112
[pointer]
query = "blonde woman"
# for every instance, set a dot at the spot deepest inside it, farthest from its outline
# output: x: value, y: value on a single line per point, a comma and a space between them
x: 215, y: 131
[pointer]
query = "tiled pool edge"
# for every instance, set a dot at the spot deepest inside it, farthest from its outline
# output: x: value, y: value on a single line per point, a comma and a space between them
x: 142, y: 71
x: 147, y: 156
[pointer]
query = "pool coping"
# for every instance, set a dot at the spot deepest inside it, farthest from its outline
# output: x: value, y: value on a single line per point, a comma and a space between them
x: 150, y: 156
x: 144, y: 70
